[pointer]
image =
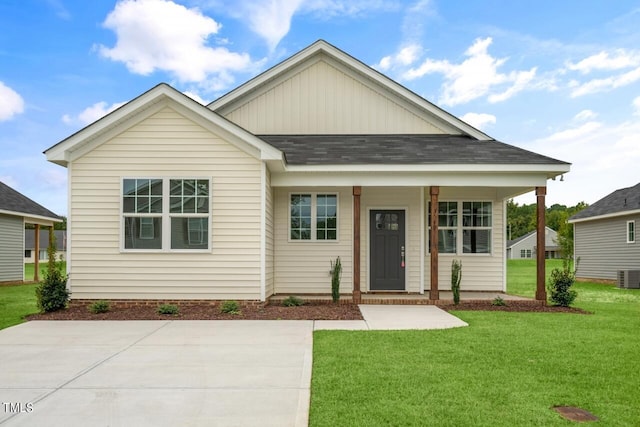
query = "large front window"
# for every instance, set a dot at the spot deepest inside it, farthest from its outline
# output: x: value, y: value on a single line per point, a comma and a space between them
x: 463, y: 227
x: 165, y: 214
x: 313, y: 217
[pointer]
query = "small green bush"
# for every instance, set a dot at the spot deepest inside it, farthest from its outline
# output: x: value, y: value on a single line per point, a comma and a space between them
x: 52, y: 293
x: 170, y: 309
x: 336, y: 274
x: 100, y: 306
x: 292, y: 301
x: 456, y: 277
x: 559, y: 286
x: 230, y: 307
x: 499, y: 301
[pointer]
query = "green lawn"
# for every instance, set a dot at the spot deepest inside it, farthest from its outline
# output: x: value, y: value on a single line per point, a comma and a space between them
x: 505, y: 369
x: 30, y: 268
x: 16, y: 302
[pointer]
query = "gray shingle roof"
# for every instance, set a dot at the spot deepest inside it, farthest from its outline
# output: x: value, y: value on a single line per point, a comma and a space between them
x: 624, y: 199
x: 400, y: 149
x: 12, y: 201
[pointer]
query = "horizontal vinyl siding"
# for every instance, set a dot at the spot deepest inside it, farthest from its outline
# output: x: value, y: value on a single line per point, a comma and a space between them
x: 166, y: 145
x: 322, y: 99
x: 393, y: 198
x: 11, y: 248
x: 602, y: 247
x: 269, y: 255
x: 480, y: 272
x: 303, y: 266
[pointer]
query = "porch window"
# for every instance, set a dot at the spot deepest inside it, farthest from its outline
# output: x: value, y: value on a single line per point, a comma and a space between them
x: 313, y: 217
x: 465, y: 225
x: 631, y: 231
x: 165, y: 214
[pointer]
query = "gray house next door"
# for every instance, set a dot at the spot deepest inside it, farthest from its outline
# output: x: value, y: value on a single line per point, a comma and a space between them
x: 387, y: 250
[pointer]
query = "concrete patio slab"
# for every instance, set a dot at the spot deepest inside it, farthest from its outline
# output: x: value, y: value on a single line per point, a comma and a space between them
x: 393, y: 317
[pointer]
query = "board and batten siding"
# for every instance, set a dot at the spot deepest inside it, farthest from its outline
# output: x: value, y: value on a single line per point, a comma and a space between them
x: 601, y: 245
x: 302, y: 267
x: 480, y: 272
x: 164, y: 145
x: 11, y: 248
x: 323, y: 98
x: 407, y: 198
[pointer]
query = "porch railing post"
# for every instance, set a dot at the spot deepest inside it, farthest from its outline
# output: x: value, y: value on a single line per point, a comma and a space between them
x: 36, y: 265
x: 541, y: 293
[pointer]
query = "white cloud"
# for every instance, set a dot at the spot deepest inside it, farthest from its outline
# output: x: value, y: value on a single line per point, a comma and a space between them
x: 475, y: 77
x: 636, y: 106
x: 479, y: 120
x: 606, y: 84
x: 11, y: 103
x: 571, y: 134
x: 195, y: 97
x: 404, y: 57
x: 92, y: 113
x: 162, y: 35
x: 618, y: 60
x: 585, y: 115
x: 327, y: 9
x: 270, y: 19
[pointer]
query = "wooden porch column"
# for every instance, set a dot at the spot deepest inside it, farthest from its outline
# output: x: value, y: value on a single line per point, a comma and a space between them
x: 434, y: 293
x: 357, y: 191
x: 36, y: 267
x: 541, y: 293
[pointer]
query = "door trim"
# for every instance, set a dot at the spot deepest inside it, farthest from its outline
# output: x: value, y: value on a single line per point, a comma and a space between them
x: 368, y: 244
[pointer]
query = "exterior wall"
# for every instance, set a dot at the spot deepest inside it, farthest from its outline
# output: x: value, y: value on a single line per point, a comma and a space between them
x: 601, y: 246
x: 302, y: 267
x: 164, y: 145
x: 407, y: 198
x: 480, y: 272
x: 269, y: 223
x: 11, y: 248
x: 324, y: 98
x: 529, y: 243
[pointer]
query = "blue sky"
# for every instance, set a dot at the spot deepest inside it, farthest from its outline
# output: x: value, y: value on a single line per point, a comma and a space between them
x: 557, y: 77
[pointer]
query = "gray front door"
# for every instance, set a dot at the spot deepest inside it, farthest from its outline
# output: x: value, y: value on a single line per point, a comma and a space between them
x: 387, y: 250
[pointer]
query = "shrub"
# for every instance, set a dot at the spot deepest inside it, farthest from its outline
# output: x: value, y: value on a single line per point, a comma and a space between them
x: 456, y: 277
x: 52, y: 293
x: 170, y: 309
x: 336, y: 273
x: 292, y: 301
x: 230, y: 307
x: 498, y: 301
x: 559, y: 286
x: 100, y: 306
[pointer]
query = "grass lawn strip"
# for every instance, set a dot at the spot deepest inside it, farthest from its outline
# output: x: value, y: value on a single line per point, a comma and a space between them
x: 16, y: 302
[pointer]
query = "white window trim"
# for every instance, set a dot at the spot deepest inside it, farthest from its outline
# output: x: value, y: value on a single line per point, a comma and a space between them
x: 314, y: 216
x: 633, y: 224
x: 460, y: 228
x: 166, y: 215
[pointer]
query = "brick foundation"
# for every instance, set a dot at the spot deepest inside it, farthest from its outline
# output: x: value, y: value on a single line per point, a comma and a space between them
x: 127, y: 303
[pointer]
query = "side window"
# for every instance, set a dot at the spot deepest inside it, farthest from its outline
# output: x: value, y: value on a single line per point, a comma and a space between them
x: 313, y: 217
x: 631, y: 231
x: 142, y: 210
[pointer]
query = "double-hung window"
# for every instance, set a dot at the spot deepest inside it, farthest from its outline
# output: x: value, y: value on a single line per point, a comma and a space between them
x: 313, y: 217
x: 631, y: 231
x: 463, y: 227
x: 165, y: 214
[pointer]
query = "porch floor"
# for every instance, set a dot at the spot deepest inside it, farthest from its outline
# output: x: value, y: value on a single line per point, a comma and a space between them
x: 446, y: 297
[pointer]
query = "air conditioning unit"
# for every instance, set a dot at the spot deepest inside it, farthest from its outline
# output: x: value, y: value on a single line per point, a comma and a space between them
x: 629, y: 279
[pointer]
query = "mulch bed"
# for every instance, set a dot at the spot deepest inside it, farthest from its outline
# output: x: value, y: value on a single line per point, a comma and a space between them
x: 309, y: 311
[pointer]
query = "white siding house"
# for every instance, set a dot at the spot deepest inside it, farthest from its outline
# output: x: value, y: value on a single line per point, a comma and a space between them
x: 525, y: 247
x: 317, y: 158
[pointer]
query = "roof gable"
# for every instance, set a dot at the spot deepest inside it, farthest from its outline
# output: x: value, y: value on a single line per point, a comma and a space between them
x: 15, y: 203
x: 146, y: 105
x: 623, y: 201
x: 322, y: 83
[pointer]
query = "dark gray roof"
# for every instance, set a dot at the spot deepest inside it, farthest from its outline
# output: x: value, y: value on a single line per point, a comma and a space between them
x: 518, y: 239
x: 30, y: 239
x: 624, y: 199
x: 400, y: 149
x: 11, y: 200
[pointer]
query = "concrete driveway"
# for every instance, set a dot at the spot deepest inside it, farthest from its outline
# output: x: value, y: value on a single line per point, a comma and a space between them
x: 157, y: 373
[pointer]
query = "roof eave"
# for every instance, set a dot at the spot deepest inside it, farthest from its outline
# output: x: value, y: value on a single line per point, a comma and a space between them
x: 605, y: 216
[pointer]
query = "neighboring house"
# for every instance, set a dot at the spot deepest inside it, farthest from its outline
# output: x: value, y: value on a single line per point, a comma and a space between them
x: 524, y: 247
x: 17, y: 210
x: 319, y: 157
x: 605, y: 235
x: 30, y: 244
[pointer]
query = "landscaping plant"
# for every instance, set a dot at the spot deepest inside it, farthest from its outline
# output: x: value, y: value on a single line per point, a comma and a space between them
x: 100, y: 306
x: 456, y: 277
x: 559, y: 285
x: 292, y: 301
x: 171, y: 309
x: 230, y: 307
x: 52, y: 293
x: 336, y: 272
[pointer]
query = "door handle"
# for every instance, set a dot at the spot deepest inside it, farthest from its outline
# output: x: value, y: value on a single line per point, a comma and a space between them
x: 402, y: 256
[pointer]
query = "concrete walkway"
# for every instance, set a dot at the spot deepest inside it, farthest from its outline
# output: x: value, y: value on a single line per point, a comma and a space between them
x: 166, y: 373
